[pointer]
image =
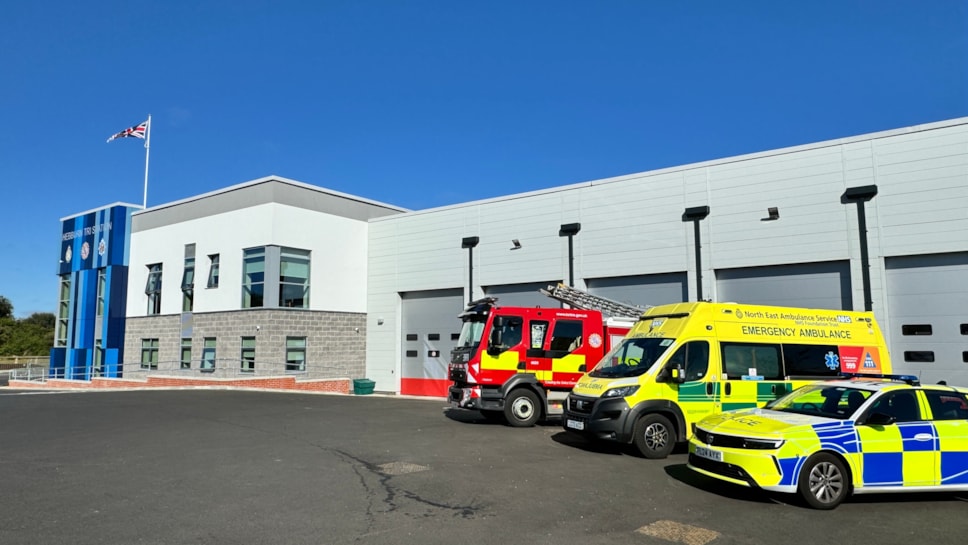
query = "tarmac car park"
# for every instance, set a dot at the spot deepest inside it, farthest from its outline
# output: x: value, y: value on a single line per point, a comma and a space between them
x: 828, y: 440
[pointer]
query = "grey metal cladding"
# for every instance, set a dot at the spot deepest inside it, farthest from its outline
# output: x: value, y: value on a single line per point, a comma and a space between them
x: 255, y: 194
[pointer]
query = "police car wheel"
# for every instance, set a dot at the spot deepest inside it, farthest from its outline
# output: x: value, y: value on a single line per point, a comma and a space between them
x: 521, y: 408
x: 654, y: 436
x: 824, y: 481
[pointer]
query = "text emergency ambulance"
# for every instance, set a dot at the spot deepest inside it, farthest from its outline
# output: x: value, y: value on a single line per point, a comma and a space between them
x: 684, y: 361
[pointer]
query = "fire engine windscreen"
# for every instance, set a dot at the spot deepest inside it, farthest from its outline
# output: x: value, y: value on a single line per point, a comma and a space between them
x: 470, y: 334
x: 632, y: 357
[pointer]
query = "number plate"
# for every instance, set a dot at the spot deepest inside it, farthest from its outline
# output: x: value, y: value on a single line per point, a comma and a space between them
x: 575, y: 424
x: 709, y: 454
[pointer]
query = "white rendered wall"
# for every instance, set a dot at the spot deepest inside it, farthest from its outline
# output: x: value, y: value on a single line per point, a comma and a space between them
x: 338, y: 266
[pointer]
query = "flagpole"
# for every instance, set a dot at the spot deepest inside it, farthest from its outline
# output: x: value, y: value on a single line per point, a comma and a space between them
x: 147, y: 151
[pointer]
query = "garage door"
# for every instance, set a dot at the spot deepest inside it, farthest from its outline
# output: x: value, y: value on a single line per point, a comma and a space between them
x: 430, y: 330
x: 927, y: 296
x: 522, y: 295
x: 642, y: 290
x: 809, y: 285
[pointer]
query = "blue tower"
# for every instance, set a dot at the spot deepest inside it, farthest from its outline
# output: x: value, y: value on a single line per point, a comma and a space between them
x: 93, y: 270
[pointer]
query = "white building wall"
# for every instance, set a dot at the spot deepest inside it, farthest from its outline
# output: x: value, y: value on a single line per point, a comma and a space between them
x: 632, y: 224
x: 338, y: 266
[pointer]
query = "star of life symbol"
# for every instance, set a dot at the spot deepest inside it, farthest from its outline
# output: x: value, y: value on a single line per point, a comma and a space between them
x: 101, y: 247
x: 68, y: 254
x: 869, y: 362
x: 832, y: 361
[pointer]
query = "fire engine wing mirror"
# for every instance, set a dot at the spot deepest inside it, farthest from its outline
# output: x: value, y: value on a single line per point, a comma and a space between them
x: 499, y: 321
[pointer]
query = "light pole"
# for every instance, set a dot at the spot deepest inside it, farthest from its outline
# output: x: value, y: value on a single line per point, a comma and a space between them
x: 696, y: 214
x: 860, y: 195
x: 470, y: 243
x: 570, y: 230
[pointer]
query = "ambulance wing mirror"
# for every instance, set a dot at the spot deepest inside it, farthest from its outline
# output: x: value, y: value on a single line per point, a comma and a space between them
x: 672, y: 372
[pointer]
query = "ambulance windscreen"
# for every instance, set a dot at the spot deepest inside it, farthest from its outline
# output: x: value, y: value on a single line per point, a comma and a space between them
x: 631, y: 358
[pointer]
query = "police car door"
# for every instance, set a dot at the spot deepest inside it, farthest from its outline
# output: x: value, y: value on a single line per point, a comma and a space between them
x: 949, y: 415
x: 901, y: 453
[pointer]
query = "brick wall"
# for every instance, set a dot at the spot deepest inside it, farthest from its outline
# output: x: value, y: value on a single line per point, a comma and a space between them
x: 335, y: 342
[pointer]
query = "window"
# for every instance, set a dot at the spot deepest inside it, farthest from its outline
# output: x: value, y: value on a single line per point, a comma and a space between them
x: 102, y: 284
x: 538, y: 332
x: 149, y: 353
x: 186, y: 353
x: 295, y: 353
x: 964, y: 329
x: 693, y: 357
x: 153, y: 289
x: 63, y: 310
x: 294, y: 278
x: 947, y: 405
x: 98, y: 370
x: 565, y: 338
x: 253, y: 277
x: 248, y: 355
x: 916, y: 329
x: 213, y: 271
x: 903, y: 406
x: 188, y: 279
x: 811, y: 360
x: 759, y: 360
x: 208, y: 355
x: 919, y: 356
x: 507, y: 334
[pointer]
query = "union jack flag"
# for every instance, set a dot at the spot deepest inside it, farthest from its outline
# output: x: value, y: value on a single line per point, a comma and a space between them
x: 138, y: 131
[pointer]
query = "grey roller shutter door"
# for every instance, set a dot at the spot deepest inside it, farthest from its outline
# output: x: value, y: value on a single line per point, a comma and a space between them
x: 809, y: 285
x: 927, y: 296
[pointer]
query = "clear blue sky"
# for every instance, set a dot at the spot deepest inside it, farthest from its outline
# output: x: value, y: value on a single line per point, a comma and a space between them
x: 429, y: 103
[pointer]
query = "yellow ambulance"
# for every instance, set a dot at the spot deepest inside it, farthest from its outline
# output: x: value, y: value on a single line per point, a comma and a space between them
x: 685, y: 361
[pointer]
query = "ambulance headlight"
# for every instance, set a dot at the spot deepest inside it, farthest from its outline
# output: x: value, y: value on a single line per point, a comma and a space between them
x: 623, y: 391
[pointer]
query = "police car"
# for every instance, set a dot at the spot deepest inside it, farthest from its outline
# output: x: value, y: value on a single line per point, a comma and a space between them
x: 830, y: 439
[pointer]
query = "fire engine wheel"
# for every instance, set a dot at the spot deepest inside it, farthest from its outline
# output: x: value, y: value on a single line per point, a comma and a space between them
x: 521, y: 408
x: 654, y: 436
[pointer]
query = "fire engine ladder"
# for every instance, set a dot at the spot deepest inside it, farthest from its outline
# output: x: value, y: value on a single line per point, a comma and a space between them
x: 577, y: 298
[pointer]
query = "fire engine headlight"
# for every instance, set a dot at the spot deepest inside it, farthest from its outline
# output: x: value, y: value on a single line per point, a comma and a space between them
x: 622, y: 391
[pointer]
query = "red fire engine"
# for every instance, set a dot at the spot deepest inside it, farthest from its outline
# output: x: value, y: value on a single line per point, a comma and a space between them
x: 517, y: 364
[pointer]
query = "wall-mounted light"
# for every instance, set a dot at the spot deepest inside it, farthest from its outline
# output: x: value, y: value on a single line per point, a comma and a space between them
x: 570, y: 230
x: 696, y: 214
x: 773, y: 213
x: 379, y: 321
x: 469, y: 243
x: 516, y: 243
x: 860, y: 195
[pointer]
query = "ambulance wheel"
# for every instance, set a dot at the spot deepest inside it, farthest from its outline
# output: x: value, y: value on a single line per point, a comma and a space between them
x: 654, y: 436
x: 824, y: 481
x: 493, y: 416
x: 521, y: 408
